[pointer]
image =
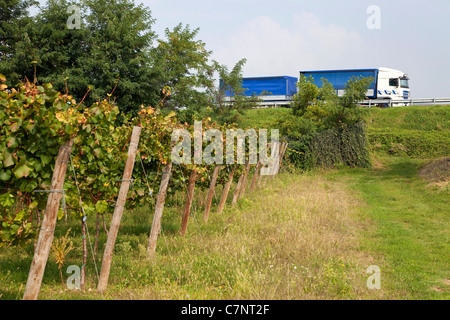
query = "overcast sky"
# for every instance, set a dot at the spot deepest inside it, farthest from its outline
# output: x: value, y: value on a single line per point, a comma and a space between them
x: 282, y: 37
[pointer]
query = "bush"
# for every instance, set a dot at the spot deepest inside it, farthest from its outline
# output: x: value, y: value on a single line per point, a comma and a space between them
x: 325, y: 130
x: 331, y: 148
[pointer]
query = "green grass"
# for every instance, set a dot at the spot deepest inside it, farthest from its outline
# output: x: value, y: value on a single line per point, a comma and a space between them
x: 410, y: 228
x: 303, y: 236
x: 262, y: 118
x: 415, y: 131
x: 427, y: 118
x: 301, y: 244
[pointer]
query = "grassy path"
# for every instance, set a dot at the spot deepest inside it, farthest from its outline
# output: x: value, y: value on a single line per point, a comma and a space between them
x: 308, y: 236
x: 411, y: 228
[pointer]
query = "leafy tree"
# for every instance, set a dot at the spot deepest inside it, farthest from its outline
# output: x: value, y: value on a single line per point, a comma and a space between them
x: 109, y: 54
x: 180, y: 62
x: 57, y: 49
x: 227, y: 111
x: 117, y: 60
x: 14, y: 39
x: 324, y: 129
x: 324, y: 107
x: 347, y: 111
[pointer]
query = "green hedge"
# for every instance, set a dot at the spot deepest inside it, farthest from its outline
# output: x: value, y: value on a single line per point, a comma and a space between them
x: 331, y: 148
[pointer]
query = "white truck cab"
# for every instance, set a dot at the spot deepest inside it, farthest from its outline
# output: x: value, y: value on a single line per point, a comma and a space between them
x: 392, y: 84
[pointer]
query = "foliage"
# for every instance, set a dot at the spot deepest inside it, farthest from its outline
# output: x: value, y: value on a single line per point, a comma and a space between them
x: 14, y: 38
x: 181, y: 63
x: 60, y: 249
x: 231, y: 84
x: 108, y: 54
x: 117, y: 57
x: 37, y: 120
x: 323, y: 105
x: 410, y: 143
x: 324, y: 129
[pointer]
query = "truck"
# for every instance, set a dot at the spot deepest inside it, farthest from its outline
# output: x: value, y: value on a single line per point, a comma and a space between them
x: 272, y: 91
x: 388, y: 83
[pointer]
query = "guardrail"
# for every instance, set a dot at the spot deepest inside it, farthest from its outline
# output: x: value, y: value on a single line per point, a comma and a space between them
x: 403, y: 102
x: 366, y: 103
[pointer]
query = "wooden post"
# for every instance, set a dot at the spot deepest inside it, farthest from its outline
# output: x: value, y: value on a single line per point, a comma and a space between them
x: 276, y: 166
x: 118, y: 211
x: 238, y: 189
x: 156, y: 225
x: 244, y: 181
x: 260, y: 176
x: 225, y: 191
x: 212, y: 187
x: 255, y: 176
x: 188, y: 202
x: 47, y: 229
x: 283, y: 153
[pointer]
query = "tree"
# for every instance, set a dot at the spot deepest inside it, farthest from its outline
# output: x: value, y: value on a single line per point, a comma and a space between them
x: 181, y: 63
x: 117, y: 60
x: 324, y: 107
x: 14, y: 39
x: 57, y: 49
x: 108, y: 54
x: 230, y: 86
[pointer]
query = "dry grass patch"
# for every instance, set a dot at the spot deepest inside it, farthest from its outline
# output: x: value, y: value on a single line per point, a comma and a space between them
x: 437, y: 172
x: 295, y: 239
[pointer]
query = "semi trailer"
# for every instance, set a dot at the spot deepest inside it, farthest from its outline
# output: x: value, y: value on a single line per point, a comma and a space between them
x: 274, y: 91
x: 271, y: 91
x: 388, y: 83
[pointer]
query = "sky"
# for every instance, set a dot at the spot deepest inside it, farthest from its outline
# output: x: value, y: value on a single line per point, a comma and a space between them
x: 283, y: 37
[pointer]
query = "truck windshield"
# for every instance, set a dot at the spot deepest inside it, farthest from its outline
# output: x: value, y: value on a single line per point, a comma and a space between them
x: 404, y: 83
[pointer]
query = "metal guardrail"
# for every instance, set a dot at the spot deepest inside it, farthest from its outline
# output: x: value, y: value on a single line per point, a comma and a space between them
x: 368, y: 103
x: 404, y: 102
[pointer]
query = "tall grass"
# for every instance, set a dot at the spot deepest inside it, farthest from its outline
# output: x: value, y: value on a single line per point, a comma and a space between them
x: 295, y: 239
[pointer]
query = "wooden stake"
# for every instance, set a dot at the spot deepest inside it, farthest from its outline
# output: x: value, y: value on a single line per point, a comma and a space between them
x: 225, y: 191
x: 244, y: 182
x: 156, y: 225
x: 255, y: 176
x: 47, y: 229
x: 260, y: 176
x: 188, y: 202
x: 212, y: 187
x: 118, y: 211
x: 238, y: 189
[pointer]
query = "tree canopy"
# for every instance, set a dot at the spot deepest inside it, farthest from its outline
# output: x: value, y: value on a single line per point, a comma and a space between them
x: 110, y: 50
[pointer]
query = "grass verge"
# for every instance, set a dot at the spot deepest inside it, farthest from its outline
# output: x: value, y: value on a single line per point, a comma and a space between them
x: 411, y: 227
x: 297, y: 238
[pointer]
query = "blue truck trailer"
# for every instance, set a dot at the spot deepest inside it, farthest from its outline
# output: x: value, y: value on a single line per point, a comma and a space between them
x: 388, y: 83
x: 272, y: 91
